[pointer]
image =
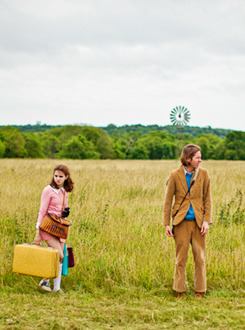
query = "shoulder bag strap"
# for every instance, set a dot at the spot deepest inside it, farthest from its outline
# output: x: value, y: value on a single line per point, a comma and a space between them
x: 188, y: 191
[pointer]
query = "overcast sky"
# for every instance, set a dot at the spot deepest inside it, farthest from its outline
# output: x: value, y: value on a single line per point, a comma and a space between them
x: 122, y: 61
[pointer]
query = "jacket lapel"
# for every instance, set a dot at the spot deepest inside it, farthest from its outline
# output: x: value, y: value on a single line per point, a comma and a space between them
x: 181, y: 176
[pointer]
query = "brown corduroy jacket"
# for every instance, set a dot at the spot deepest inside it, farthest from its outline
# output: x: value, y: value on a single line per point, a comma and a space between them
x: 199, y: 197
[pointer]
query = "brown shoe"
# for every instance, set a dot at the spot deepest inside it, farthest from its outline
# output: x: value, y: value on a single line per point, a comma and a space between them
x: 179, y: 295
x: 199, y: 295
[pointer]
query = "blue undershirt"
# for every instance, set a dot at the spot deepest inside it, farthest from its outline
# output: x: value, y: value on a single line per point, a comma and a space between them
x: 190, y: 214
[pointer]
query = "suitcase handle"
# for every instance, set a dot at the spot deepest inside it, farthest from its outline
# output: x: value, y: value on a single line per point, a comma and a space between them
x: 37, y: 244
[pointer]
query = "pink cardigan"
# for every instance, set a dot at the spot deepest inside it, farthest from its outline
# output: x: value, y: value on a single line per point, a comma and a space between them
x: 51, y: 202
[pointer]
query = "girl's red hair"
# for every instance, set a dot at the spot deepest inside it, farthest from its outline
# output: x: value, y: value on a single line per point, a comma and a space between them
x: 68, y: 184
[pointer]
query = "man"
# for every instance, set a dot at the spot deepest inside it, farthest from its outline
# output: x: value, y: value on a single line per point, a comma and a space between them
x: 191, y: 212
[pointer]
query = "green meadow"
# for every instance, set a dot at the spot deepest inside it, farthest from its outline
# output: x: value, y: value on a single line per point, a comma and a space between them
x: 124, y: 262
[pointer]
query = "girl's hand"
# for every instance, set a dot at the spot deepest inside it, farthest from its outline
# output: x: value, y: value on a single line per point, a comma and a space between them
x: 37, y: 238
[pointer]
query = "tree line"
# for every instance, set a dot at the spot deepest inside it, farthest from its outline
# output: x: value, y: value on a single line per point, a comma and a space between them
x: 111, y: 128
x: 87, y: 142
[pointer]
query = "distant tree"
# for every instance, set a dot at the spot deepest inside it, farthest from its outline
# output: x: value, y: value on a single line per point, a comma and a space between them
x: 215, y: 146
x: 111, y: 128
x: 231, y: 155
x: 119, y: 149
x: 158, y: 145
x: 14, y: 143
x: 163, y: 135
x: 130, y: 139
x: 139, y: 151
x: 126, y: 142
x: 189, y: 130
x: 63, y: 133
x: 92, y: 134
x: 51, y: 144
x: 104, y: 146
x: 169, y: 150
x: 204, y: 144
x: 219, y: 151
x: 33, y: 146
x: 235, y: 145
x: 78, y: 147
x: 210, y: 145
x: 154, y: 145
x: 2, y: 149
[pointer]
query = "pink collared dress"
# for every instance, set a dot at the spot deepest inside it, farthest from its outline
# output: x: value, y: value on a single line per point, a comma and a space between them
x: 51, y: 202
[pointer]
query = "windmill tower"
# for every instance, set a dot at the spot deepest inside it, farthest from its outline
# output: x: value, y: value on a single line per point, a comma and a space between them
x: 180, y: 117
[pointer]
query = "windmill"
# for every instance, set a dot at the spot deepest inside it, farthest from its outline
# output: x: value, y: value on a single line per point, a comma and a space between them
x: 180, y: 117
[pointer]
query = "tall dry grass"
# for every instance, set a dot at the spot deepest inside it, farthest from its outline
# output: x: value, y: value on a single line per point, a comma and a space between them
x: 117, y: 236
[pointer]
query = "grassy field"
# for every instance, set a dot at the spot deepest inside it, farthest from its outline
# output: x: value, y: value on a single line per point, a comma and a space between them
x: 124, y: 262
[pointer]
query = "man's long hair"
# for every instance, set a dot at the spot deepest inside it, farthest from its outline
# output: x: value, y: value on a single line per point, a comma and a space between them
x: 188, y: 151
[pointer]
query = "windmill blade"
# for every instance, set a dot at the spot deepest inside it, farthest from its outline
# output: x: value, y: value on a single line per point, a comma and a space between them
x: 180, y: 116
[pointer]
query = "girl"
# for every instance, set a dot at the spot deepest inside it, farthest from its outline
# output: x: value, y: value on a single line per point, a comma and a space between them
x: 52, y: 202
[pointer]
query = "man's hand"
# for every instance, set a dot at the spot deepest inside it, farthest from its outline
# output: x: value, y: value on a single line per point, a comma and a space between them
x: 168, y: 231
x: 205, y: 228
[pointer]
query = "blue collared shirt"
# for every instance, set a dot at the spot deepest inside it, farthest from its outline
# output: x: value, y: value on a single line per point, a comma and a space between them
x: 190, y: 214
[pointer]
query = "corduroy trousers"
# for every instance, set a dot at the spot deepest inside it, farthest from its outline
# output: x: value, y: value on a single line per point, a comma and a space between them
x: 186, y: 233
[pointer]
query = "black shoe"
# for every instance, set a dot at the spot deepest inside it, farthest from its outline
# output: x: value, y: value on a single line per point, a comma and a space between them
x: 44, y: 284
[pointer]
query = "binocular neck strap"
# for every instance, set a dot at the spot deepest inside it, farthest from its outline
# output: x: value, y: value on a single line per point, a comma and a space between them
x: 64, y: 193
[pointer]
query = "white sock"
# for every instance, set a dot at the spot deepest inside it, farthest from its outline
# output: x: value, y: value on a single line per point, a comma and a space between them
x: 57, y: 280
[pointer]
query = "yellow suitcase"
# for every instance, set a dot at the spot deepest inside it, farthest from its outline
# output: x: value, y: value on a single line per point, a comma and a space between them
x: 36, y: 260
